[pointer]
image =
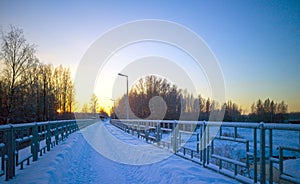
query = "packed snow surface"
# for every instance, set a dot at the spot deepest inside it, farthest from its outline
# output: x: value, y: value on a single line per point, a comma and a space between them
x: 76, y: 161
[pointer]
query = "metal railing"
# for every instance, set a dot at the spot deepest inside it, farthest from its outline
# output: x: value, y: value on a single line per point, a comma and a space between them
x: 246, y: 152
x: 35, y: 138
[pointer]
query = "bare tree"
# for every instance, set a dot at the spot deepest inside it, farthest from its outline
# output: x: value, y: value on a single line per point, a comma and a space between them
x: 94, y: 104
x: 18, y: 57
x: 47, y: 91
x: 85, y: 108
x: 232, y: 111
x: 207, y: 108
x: 147, y: 88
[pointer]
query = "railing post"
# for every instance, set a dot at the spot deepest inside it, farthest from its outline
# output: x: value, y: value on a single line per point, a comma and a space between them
x: 201, y: 143
x: 198, y: 139
x: 255, y: 154
x: 67, y: 128
x: 147, y: 132
x: 247, y: 156
x: 207, y: 145
x: 56, y: 133
x: 76, y: 126
x: 270, y: 156
x: 299, y: 140
x: 138, y: 129
x: 158, y: 133
x: 62, y: 130
x: 175, y: 136
x: 2, y: 157
x: 204, y: 147
x: 280, y: 161
x: 132, y: 128
x: 72, y: 128
x: 48, y: 137
x: 35, y: 143
x: 262, y: 154
x: 10, y: 151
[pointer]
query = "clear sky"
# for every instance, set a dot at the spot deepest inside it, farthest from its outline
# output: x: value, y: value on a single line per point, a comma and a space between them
x: 257, y: 43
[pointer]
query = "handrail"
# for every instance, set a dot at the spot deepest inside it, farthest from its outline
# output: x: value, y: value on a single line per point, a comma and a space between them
x: 14, y: 137
x: 254, y: 141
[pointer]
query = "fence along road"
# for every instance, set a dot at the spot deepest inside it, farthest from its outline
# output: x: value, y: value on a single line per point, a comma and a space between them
x: 246, y: 152
x: 39, y: 137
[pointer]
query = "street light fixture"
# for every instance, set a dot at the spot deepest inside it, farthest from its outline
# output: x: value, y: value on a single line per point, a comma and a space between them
x: 127, y: 99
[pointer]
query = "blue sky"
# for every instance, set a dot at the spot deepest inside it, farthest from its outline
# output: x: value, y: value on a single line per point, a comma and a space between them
x: 257, y: 43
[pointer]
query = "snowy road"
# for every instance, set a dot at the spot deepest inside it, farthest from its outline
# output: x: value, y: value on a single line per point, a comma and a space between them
x: 76, y: 161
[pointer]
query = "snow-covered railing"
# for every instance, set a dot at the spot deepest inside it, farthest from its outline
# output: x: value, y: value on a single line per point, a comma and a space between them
x: 39, y: 137
x: 247, y: 152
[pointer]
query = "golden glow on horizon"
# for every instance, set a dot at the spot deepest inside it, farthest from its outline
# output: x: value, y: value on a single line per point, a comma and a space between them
x: 107, y: 104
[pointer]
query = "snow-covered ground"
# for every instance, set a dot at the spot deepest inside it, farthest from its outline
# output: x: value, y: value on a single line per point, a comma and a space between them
x: 291, y: 167
x: 77, y: 160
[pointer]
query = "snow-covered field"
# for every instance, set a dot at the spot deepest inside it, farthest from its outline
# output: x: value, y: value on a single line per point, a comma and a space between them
x: 280, y: 138
x: 77, y: 160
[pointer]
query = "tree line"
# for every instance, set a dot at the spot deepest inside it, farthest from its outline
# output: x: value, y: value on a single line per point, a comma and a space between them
x: 180, y: 104
x: 93, y: 107
x: 33, y: 91
x: 269, y: 111
x: 30, y: 90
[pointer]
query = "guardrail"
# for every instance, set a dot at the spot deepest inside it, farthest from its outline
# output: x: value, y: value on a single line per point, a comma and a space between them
x: 37, y: 138
x: 246, y: 152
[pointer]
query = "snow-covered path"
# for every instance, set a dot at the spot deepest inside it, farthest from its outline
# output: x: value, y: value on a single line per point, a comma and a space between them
x: 76, y: 161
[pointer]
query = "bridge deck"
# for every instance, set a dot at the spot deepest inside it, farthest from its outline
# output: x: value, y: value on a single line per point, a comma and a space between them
x: 126, y: 160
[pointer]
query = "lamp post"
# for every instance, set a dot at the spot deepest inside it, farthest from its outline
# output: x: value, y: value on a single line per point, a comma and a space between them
x: 127, y: 99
